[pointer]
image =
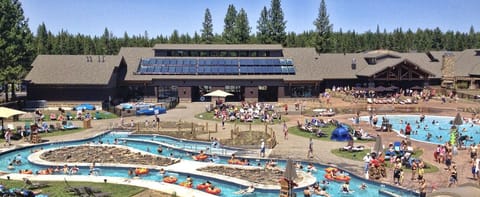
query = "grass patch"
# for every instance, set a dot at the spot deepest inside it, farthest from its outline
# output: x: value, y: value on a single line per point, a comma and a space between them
x: 211, y: 116
x: 358, y: 156
x: 57, y: 188
x: 54, y: 133
x: 93, y: 114
x: 64, y: 132
x: 327, y: 130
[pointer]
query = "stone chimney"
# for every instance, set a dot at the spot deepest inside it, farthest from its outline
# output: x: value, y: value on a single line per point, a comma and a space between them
x: 448, y: 69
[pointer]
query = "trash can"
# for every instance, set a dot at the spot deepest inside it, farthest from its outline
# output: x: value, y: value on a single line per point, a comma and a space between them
x: 87, y: 123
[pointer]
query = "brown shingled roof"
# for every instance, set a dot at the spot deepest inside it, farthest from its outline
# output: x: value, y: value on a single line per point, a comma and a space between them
x: 72, y: 69
x: 219, y: 46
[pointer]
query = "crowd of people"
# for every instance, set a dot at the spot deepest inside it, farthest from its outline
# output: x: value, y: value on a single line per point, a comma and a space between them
x: 247, y: 112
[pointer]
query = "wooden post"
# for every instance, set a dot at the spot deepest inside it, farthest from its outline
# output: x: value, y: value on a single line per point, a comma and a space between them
x: 216, y: 127
x: 250, y: 127
x: 266, y: 127
x: 208, y: 130
x: 231, y: 134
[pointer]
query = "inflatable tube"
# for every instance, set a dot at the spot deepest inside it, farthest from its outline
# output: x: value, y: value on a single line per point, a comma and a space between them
x: 170, y: 179
x: 140, y: 171
x: 341, y: 178
x: 26, y: 172
x: 186, y: 184
x: 329, y: 177
x: 202, y: 186
x: 200, y: 157
x: 43, y: 172
x: 330, y: 169
x: 236, y: 161
x: 214, y: 191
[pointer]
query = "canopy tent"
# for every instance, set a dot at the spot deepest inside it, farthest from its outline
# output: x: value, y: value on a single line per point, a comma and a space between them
x: 218, y: 93
x: 6, y: 112
x: 341, y: 134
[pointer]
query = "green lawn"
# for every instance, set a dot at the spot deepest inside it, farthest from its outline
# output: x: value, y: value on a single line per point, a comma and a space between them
x: 57, y: 188
x: 358, y: 156
x: 54, y: 133
x: 101, y: 115
x: 210, y: 115
x: 297, y: 131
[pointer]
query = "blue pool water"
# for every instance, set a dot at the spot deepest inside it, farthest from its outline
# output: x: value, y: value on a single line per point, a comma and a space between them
x: 437, y: 126
x: 228, y: 188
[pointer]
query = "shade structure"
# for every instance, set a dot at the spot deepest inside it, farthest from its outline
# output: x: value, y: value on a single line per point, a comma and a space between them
x: 458, y: 120
x: 218, y: 93
x: 378, y: 145
x: 6, y: 112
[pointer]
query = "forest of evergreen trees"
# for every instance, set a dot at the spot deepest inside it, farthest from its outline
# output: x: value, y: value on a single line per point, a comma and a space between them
x: 270, y: 29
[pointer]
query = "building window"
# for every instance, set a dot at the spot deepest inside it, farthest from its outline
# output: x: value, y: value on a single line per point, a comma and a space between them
x: 301, y: 91
x: 232, y: 89
x: 243, y: 53
x: 204, y: 89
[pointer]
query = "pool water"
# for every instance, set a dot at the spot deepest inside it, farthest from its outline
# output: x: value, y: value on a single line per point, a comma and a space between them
x: 437, y: 126
x: 228, y: 188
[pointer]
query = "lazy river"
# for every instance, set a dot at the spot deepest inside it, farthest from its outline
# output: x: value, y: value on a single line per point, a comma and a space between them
x: 184, y: 149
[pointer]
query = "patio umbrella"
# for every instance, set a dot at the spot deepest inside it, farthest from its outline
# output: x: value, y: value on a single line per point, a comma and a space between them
x: 290, y: 174
x: 6, y: 112
x: 380, y: 88
x: 393, y: 87
x: 416, y: 88
x: 378, y: 147
x: 219, y: 93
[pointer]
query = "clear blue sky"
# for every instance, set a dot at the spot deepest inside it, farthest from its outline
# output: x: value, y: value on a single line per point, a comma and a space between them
x: 163, y: 16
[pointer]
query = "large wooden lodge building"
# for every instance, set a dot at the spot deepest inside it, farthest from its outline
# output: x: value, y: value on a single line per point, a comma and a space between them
x: 262, y: 73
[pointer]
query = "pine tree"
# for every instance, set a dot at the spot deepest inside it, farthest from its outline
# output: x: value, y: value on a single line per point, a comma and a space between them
x: 174, y: 38
x: 242, y: 28
x: 263, y: 29
x: 207, y: 31
x: 16, y: 44
x: 277, y: 23
x: 323, y: 28
x: 41, y: 41
x: 228, y: 34
x: 196, y: 38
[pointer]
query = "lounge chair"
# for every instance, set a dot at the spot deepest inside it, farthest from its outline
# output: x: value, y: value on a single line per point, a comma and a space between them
x: 69, y: 126
x: 33, y: 185
x: 100, y: 194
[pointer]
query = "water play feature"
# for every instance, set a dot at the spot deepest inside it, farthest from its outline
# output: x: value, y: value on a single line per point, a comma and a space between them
x: 184, y: 149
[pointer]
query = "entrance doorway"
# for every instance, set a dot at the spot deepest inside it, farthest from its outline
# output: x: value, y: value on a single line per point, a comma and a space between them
x: 267, y: 93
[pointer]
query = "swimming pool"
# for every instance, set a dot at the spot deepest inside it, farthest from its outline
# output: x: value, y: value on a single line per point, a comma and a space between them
x: 228, y: 188
x: 438, y: 127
